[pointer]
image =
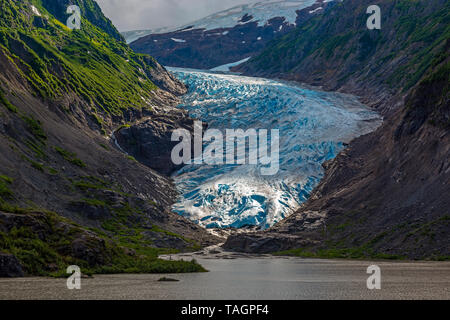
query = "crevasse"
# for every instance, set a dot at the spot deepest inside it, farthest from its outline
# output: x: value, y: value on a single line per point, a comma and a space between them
x: 314, y: 126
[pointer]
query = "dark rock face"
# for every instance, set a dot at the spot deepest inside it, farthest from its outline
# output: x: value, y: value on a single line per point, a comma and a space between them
x: 90, y: 211
x: 384, y: 193
x: 32, y: 221
x: 163, y: 79
x: 89, y: 248
x: 10, y: 267
x: 90, y: 182
x: 149, y: 141
x: 337, y: 52
x: 206, y: 49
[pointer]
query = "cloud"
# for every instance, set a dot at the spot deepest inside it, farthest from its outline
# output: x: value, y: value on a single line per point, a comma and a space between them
x: 152, y: 14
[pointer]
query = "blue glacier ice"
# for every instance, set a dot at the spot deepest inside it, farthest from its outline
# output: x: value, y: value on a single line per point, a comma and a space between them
x: 314, y: 126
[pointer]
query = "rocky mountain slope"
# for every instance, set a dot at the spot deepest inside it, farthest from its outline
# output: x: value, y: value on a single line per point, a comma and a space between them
x: 228, y: 36
x: 386, y: 196
x: 68, y: 195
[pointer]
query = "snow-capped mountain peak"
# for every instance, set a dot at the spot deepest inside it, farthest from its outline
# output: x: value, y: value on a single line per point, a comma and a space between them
x: 227, y: 36
x: 260, y: 12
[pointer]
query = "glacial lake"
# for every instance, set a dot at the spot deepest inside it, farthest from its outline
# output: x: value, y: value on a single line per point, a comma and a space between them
x: 252, y: 278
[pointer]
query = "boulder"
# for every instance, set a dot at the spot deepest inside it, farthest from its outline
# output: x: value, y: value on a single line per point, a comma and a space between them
x: 90, y: 248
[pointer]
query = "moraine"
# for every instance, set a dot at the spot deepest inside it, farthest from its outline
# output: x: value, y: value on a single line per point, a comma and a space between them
x: 313, y: 125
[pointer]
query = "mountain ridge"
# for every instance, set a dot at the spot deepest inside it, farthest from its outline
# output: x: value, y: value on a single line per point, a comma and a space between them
x: 228, y: 36
x: 382, y: 196
x: 261, y: 12
x: 67, y: 194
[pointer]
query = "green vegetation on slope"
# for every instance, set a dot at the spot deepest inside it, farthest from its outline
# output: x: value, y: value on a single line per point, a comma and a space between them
x: 89, y: 9
x: 57, y: 61
x: 4, y: 189
x: 53, y: 243
x: 46, y: 243
x: 6, y: 103
x: 70, y: 157
x: 336, y: 46
x: 339, y: 249
x: 390, y: 183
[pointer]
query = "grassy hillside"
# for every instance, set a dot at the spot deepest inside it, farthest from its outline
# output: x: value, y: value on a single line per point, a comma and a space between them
x: 67, y: 194
x: 90, y: 63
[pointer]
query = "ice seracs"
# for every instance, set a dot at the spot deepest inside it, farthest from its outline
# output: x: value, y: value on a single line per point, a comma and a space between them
x: 313, y: 127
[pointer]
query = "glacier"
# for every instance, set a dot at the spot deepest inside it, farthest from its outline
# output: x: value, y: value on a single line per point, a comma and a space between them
x: 261, y: 12
x: 314, y: 127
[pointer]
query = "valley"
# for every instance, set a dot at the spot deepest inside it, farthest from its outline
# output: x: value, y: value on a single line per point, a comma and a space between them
x: 313, y: 127
x: 87, y: 175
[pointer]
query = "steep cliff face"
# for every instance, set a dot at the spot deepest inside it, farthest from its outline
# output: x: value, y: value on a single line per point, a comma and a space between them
x: 385, y: 195
x: 67, y: 193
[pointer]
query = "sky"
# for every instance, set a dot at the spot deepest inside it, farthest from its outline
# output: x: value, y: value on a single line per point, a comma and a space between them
x: 151, y: 14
